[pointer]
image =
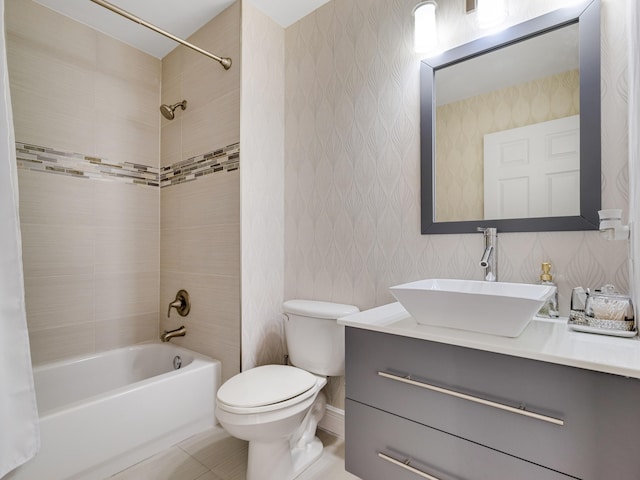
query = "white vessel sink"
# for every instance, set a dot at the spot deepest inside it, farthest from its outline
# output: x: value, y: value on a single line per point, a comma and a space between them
x: 496, y: 308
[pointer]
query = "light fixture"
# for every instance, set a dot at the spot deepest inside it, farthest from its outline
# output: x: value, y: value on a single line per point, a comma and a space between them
x: 491, y: 13
x: 425, y: 35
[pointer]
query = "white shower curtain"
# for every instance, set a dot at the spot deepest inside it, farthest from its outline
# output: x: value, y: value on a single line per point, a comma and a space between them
x: 634, y: 145
x: 19, y: 436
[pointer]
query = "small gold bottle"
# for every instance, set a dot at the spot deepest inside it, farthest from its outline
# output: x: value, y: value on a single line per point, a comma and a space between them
x: 550, y: 308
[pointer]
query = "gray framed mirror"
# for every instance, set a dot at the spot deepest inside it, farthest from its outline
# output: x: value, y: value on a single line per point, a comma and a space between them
x: 510, y: 128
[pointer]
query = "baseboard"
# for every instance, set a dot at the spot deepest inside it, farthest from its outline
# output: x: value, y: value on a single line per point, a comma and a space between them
x: 333, y: 421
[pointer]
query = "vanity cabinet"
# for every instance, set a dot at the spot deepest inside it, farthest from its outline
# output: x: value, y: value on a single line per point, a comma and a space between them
x: 466, y: 414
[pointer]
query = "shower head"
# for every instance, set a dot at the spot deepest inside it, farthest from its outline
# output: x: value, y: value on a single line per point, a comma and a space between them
x: 167, y: 110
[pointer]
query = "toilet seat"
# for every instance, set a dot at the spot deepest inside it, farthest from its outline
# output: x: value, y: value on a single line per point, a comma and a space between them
x: 267, y: 388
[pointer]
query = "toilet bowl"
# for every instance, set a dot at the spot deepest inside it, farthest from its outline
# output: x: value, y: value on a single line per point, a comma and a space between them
x: 269, y: 424
x: 276, y: 408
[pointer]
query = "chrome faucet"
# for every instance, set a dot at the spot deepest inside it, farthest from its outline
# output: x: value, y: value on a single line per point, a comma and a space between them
x: 169, y: 334
x: 489, y: 260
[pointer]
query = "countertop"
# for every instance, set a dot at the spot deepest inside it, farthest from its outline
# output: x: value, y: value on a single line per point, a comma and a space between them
x: 547, y: 340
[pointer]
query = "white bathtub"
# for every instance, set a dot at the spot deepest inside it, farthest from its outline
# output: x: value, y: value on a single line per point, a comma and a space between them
x: 101, y: 413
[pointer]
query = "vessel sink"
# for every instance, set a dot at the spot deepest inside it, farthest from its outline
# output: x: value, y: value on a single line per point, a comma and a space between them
x: 496, y: 308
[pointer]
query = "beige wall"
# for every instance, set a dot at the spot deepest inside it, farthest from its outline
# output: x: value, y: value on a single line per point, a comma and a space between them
x: 90, y: 247
x: 262, y: 185
x: 212, y: 117
x: 352, y: 211
x: 200, y: 219
x: 460, y: 130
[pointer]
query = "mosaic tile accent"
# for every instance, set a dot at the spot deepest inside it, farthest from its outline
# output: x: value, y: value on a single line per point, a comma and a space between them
x: 49, y: 160
x: 225, y: 159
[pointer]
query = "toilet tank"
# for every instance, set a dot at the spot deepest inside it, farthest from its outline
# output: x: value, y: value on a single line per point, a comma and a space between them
x: 315, y: 341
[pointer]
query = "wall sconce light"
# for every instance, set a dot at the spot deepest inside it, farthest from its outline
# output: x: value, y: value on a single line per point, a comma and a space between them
x: 425, y: 34
x: 489, y: 13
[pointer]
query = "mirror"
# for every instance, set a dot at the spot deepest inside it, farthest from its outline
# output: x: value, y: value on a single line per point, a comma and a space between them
x: 510, y: 128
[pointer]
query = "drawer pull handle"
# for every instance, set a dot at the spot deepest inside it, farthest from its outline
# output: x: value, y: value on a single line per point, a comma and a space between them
x: 407, y: 466
x: 519, y: 411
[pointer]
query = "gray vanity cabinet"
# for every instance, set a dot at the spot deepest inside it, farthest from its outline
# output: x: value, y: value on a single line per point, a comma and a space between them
x: 385, y: 438
x: 465, y: 414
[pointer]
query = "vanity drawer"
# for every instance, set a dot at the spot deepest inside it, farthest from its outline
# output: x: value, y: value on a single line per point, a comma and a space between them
x: 378, y: 445
x: 585, y: 424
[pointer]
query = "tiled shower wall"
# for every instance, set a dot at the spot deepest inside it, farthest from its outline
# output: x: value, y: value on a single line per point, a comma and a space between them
x: 352, y: 211
x: 86, y: 106
x: 91, y: 186
x: 200, y: 210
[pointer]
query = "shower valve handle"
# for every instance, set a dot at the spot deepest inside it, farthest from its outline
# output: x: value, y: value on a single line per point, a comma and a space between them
x: 177, y: 304
x: 182, y: 304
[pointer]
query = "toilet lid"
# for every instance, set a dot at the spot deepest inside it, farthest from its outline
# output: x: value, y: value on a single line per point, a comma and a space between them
x: 265, y: 385
x: 317, y: 309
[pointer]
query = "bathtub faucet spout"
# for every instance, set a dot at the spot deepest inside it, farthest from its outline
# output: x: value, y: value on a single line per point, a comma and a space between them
x: 169, y: 334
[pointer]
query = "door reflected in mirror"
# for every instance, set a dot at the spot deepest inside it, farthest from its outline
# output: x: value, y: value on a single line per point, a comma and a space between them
x: 508, y: 133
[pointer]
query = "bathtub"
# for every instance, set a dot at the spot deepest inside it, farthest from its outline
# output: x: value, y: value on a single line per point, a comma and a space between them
x: 101, y: 413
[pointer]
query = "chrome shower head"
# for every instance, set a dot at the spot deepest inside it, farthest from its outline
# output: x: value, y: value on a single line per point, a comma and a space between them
x: 168, y: 110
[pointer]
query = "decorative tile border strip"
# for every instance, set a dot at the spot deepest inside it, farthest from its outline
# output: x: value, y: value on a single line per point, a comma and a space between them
x: 225, y: 159
x: 49, y: 160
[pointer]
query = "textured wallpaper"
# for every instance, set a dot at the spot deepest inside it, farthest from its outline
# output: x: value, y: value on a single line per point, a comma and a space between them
x: 262, y: 188
x: 461, y: 126
x: 352, y: 211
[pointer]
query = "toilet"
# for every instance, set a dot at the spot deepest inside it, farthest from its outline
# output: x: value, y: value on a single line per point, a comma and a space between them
x: 276, y: 408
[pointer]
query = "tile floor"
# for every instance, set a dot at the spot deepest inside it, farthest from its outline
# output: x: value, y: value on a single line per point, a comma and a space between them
x: 214, y: 455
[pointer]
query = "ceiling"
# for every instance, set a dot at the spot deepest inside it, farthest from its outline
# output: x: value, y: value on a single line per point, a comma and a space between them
x: 531, y: 59
x: 179, y: 18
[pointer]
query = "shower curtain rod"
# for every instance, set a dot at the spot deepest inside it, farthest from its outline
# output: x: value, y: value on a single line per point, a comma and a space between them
x: 224, y: 61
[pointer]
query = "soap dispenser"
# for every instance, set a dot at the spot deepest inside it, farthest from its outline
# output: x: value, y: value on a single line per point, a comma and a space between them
x: 550, y: 308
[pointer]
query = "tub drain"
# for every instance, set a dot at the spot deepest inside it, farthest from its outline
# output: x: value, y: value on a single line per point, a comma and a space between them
x: 177, y: 362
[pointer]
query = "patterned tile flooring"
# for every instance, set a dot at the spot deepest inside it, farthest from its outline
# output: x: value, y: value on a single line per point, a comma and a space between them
x: 214, y: 455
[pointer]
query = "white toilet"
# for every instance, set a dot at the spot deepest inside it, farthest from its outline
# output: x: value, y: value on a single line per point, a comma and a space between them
x: 277, y: 407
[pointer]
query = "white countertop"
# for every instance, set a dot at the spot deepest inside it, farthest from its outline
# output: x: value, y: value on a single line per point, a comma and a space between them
x: 544, y: 339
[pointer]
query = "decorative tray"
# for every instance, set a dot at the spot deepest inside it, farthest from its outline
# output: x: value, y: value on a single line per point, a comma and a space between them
x: 578, y: 322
